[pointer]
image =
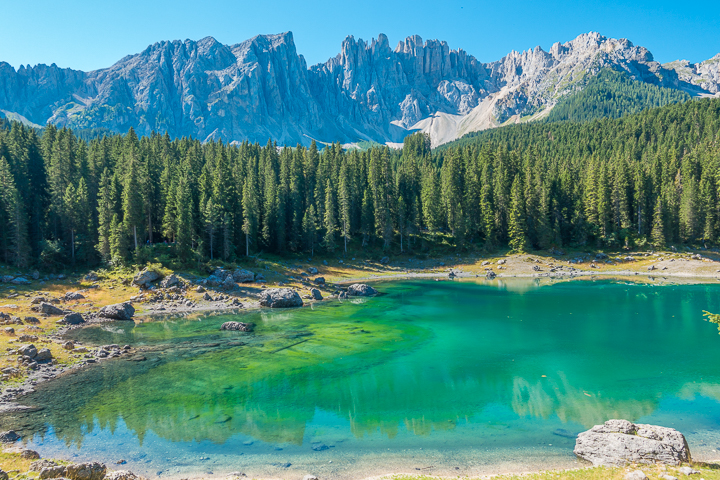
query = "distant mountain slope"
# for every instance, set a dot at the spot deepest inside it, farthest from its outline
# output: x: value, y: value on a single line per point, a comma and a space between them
x: 613, y: 94
x: 262, y: 88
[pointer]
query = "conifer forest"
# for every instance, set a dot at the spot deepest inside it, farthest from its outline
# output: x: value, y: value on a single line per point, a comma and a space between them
x: 647, y: 180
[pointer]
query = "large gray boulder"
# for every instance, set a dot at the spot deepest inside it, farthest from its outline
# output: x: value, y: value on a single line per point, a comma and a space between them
x: 72, y: 319
x: 146, y: 277
x: 86, y: 471
x: 28, y: 351
x: 43, y: 355
x: 229, y: 283
x: 119, y: 311
x: 77, y: 471
x: 316, y: 294
x: 361, y: 290
x: 50, y: 309
x: 20, y: 281
x: 619, y: 442
x: 280, y: 298
x: 243, y: 276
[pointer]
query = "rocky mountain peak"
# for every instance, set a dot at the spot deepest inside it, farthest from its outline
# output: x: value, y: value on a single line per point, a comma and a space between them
x: 262, y: 88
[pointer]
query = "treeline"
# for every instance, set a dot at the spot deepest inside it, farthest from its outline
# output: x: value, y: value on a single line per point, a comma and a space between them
x: 612, y: 94
x: 648, y: 179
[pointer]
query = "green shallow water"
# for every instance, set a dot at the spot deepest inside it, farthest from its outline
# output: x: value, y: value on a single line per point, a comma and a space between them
x: 449, y: 377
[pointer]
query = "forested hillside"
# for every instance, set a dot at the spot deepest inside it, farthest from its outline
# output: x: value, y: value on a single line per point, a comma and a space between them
x: 647, y: 179
x: 613, y: 94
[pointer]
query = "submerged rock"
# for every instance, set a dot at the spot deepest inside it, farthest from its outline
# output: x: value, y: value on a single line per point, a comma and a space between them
x: 119, y: 311
x: 361, y: 290
x: 238, y: 326
x: 280, y: 298
x: 618, y: 442
x: 9, y: 437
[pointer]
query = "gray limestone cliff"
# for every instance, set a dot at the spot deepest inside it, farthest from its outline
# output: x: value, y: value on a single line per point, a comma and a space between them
x: 262, y: 88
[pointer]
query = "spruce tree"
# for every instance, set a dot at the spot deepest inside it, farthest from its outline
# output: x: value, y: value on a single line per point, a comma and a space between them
x: 330, y: 223
x: 516, y: 220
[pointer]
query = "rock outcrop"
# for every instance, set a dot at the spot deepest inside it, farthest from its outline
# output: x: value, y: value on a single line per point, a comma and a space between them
x: 280, y: 298
x: 262, y: 88
x: 119, y: 311
x: 618, y: 442
x: 146, y: 277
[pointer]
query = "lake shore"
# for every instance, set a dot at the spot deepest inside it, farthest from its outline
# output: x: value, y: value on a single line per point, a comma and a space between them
x: 666, y: 267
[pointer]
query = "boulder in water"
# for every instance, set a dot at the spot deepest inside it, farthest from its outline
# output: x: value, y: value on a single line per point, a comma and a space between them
x: 619, y: 442
x: 361, y: 290
x: 9, y: 437
x: 280, y: 298
x: 119, y: 311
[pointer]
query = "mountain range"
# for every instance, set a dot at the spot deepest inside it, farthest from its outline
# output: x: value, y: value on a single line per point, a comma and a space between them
x: 262, y: 88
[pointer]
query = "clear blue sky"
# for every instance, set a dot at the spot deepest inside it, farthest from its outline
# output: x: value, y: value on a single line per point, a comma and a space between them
x: 91, y: 34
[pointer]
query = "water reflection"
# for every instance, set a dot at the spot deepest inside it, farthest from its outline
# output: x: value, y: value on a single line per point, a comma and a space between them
x: 419, y: 360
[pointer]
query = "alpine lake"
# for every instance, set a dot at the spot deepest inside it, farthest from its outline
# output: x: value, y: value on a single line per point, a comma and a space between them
x: 443, y: 378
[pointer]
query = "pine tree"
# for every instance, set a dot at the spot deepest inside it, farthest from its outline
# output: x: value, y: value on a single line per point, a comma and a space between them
x: 14, y: 236
x: 185, y: 233
x: 344, y: 199
x: 516, y: 220
x: 310, y: 229
x: 657, y: 234
x: 250, y: 209
x: 118, y: 241
x: 105, y: 215
x: 211, y: 218
x: 329, y: 221
x: 132, y: 202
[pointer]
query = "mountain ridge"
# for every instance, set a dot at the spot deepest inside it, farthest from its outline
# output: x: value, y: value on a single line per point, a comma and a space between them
x: 263, y: 88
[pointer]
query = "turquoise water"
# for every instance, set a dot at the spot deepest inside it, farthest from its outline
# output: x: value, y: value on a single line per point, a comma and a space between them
x: 446, y: 377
